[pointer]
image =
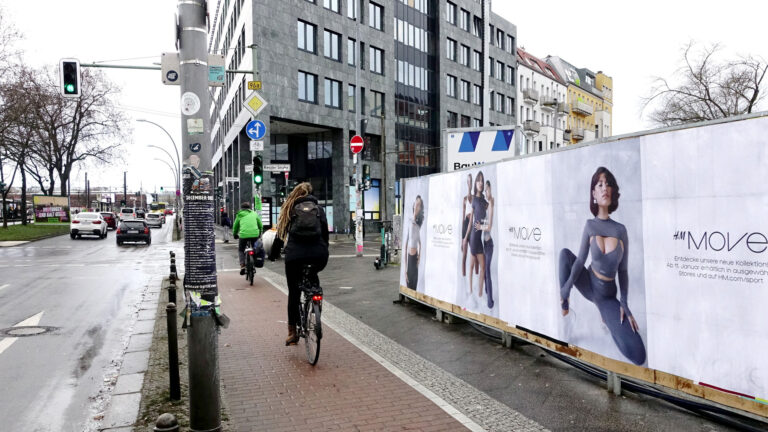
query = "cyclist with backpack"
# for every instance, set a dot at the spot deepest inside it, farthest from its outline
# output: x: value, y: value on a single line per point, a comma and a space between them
x: 303, y: 227
x: 247, y: 227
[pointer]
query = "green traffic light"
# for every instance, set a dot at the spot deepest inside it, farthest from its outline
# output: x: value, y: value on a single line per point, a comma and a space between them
x: 70, y: 88
x: 257, y: 179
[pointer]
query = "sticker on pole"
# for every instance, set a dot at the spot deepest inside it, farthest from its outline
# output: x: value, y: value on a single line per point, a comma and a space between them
x: 356, y: 144
x: 256, y: 129
x: 190, y: 103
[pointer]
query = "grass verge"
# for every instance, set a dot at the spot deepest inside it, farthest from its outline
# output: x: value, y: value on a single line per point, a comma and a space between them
x: 32, y: 231
x: 155, y: 393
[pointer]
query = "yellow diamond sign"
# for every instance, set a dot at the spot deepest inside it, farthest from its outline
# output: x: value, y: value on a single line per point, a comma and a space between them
x: 255, y: 103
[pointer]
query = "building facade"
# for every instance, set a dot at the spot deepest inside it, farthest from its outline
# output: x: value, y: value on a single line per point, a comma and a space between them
x: 590, y: 99
x: 395, y: 72
x: 542, y: 104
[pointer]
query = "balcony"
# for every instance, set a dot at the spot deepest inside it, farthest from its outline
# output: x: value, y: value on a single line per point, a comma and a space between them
x: 581, y: 108
x: 548, y: 103
x: 562, y: 107
x: 531, y: 127
x: 578, y: 133
x: 530, y: 96
x: 567, y: 136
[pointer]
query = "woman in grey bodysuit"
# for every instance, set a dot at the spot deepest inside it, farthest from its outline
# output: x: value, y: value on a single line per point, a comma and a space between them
x: 413, y: 245
x: 606, y: 239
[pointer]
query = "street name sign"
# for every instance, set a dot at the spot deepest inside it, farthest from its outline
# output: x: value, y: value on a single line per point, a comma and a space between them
x: 277, y: 167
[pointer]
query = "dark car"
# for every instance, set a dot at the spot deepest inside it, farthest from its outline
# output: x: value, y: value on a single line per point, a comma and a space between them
x: 133, y: 231
x: 110, y: 219
x: 141, y: 214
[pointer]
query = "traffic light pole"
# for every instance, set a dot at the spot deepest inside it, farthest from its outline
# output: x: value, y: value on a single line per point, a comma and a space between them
x: 200, y: 282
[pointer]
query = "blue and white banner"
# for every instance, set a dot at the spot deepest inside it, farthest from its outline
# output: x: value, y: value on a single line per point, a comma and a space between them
x: 470, y: 148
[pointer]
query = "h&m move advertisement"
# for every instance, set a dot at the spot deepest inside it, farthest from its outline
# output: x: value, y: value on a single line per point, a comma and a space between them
x: 706, y: 223
x: 650, y: 250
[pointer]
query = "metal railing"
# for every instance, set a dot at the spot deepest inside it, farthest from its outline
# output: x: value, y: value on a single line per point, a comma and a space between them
x: 578, y: 133
x: 581, y: 108
x: 531, y: 126
x: 530, y: 95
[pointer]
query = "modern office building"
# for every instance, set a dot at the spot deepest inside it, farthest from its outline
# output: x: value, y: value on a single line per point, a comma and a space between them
x: 394, y: 71
x: 590, y: 99
x: 541, y: 96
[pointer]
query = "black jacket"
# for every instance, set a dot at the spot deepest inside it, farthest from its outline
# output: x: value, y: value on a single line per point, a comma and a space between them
x: 297, y: 251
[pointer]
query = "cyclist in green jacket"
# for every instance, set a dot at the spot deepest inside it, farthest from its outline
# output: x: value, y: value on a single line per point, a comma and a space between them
x: 247, y: 227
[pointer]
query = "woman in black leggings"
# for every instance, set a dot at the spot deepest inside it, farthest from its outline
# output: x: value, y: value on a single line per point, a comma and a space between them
x: 606, y: 239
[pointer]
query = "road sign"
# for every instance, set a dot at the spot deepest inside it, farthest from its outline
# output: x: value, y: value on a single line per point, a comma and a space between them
x: 257, y: 145
x: 233, y: 180
x: 255, y: 104
x: 170, y: 69
x: 356, y: 144
x: 256, y: 129
x: 249, y: 168
x: 254, y: 85
x: 277, y: 167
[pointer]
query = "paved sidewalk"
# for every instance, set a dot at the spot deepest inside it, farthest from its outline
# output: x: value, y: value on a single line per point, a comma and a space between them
x: 271, y: 387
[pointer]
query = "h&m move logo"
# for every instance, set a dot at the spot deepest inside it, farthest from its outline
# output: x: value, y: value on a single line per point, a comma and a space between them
x: 755, y: 242
x: 525, y: 233
x: 442, y: 229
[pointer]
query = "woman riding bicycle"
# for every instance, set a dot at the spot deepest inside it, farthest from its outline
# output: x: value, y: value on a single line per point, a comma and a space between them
x: 248, y: 228
x: 302, y: 221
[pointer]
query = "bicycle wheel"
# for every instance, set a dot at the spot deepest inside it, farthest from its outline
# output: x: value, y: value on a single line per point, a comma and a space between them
x: 313, y: 332
x: 249, y: 270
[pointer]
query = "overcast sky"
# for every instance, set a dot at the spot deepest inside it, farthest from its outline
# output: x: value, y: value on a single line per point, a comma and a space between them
x: 629, y: 41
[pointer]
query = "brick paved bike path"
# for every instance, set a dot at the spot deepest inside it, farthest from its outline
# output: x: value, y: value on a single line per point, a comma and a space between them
x: 271, y: 387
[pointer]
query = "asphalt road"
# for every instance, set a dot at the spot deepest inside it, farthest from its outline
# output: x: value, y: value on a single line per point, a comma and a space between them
x: 85, y: 293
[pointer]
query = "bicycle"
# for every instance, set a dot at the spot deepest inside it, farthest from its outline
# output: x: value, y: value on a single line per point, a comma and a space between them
x: 250, y: 267
x: 310, y: 307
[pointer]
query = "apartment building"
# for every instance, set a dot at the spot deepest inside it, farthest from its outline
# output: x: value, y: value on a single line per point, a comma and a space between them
x: 394, y: 71
x: 542, y: 104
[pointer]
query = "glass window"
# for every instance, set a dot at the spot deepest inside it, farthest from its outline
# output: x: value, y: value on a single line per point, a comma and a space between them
x: 376, y: 62
x: 351, y: 51
x: 510, y: 44
x: 307, y: 87
x: 477, y: 63
x: 351, y: 104
x: 499, y: 103
x: 465, y: 120
x: 500, y: 39
x: 464, y: 20
x: 477, y: 26
x: 332, y: 45
x: 464, y: 90
x: 375, y: 15
x: 450, y: 13
x: 332, y: 5
x: 499, y: 71
x: 453, y: 120
x: 491, y: 64
x: 352, y: 9
x: 374, y: 105
x: 476, y: 122
x: 451, y: 86
x: 476, y: 95
x: 510, y: 106
x: 464, y: 58
x: 510, y: 75
x: 332, y: 93
x: 306, y: 36
x: 451, y: 49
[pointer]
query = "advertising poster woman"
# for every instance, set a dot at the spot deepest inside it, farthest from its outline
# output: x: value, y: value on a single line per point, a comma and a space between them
x: 599, y: 250
x: 477, y: 289
x: 413, y: 236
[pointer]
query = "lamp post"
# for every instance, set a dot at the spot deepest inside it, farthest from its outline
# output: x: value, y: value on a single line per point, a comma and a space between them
x: 178, y: 159
x: 173, y: 171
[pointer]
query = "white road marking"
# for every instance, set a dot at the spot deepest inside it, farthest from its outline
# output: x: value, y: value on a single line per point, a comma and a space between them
x: 23, y: 265
x: 31, y: 321
x: 345, y: 288
x: 352, y: 256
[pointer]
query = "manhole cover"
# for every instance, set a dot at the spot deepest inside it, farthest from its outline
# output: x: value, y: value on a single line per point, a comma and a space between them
x: 24, y: 331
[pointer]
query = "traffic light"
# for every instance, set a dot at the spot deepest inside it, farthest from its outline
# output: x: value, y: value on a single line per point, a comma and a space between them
x: 283, y: 190
x: 366, y: 172
x: 2, y: 187
x: 161, y: 188
x: 70, y: 77
x: 258, y: 170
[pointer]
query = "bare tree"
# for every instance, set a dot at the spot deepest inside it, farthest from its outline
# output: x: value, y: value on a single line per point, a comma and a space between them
x: 707, y: 88
x: 69, y: 131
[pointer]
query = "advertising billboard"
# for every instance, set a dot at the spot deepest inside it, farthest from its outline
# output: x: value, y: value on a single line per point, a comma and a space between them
x: 51, y: 208
x: 651, y: 250
x: 469, y: 147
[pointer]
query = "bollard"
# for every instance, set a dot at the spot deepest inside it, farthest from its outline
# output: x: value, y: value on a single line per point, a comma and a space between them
x: 166, y: 423
x: 172, y: 291
x: 173, y: 352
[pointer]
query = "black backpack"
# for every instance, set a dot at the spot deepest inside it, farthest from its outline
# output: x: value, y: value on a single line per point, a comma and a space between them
x: 306, y: 225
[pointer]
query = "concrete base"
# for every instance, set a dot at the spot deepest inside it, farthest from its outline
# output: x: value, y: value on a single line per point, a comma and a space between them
x: 613, y: 383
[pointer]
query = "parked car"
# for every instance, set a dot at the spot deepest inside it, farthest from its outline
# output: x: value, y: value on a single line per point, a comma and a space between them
x: 141, y: 214
x: 110, y: 218
x: 154, y: 220
x: 169, y: 211
x: 133, y: 231
x: 127, y: 213
x: 88, y: 223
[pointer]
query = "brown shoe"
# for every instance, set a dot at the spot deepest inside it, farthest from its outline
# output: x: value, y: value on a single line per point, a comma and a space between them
x: 293, y: 337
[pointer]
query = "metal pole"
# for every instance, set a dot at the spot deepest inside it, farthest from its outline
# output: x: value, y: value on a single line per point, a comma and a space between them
x: 200, y: 282
x: 383, y: 214
x: 87, y: 195
x: 173, y: 352
x: 125, y: 187
x: 358, y: 169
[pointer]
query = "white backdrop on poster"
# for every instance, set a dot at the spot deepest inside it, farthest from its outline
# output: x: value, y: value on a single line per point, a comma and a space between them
x: 481, y: 234
x: 594, y: 323
x: 414, y: 234
x: 526, y: 248
x: 442, y: 237
x: 706, y: 257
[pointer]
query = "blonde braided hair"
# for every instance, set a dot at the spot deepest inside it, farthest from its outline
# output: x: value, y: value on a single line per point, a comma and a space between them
x: 284, y: 220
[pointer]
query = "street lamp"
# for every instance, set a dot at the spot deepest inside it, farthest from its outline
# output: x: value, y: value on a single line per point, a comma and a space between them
x: 173, y: 171
x: 178, y: 159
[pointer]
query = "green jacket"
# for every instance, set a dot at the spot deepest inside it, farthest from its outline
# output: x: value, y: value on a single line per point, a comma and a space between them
x: 247, y: 224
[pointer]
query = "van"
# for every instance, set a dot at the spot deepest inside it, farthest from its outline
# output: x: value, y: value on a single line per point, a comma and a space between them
x: 127, y: 213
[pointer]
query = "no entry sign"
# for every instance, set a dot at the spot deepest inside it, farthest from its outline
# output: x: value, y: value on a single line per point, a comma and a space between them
x: 356, y: 144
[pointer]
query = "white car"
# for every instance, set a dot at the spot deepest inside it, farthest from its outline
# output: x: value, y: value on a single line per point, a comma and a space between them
x: 88, y: 223
x: 127, y: 213
x: 154, y: 220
